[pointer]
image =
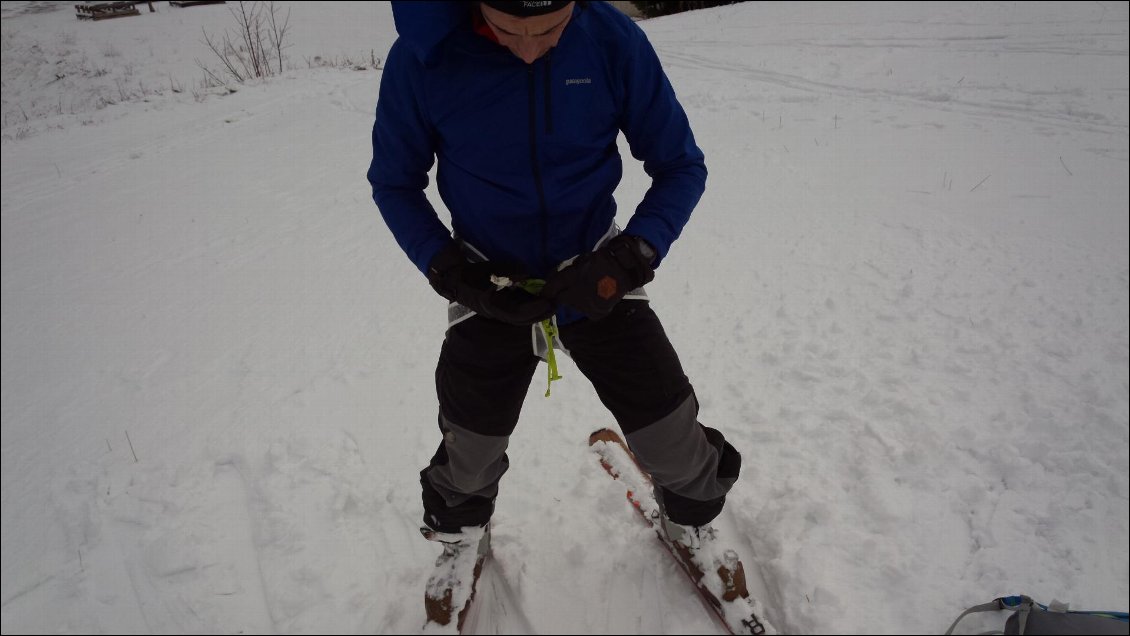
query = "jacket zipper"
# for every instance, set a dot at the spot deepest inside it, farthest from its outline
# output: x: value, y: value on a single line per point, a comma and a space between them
x: 548, y: 94
x: 537, y: 167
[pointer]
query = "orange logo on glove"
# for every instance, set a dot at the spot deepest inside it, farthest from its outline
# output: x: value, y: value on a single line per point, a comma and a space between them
x: 606, y: 287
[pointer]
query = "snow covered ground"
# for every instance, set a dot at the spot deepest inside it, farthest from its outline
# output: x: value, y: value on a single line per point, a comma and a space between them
x: 904, y: 298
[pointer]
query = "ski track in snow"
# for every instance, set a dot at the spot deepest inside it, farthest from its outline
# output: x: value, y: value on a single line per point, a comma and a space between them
x: 945, y: 101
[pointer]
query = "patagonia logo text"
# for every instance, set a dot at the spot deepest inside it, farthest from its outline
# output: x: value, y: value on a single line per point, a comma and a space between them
x: 578, y: 80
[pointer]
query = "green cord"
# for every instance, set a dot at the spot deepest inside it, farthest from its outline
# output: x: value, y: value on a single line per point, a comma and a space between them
x: 534, y: 286
x: 550, y: 358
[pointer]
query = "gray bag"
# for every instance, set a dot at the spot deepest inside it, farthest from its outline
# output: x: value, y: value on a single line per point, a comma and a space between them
x: 1030, y: 617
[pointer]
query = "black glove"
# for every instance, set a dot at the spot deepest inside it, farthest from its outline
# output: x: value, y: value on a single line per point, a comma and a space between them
x: 596, y: 281
x: 469, y: 284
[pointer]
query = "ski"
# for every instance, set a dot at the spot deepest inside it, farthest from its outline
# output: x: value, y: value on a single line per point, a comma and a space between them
x: 450, y: 591
x: 725, y: 594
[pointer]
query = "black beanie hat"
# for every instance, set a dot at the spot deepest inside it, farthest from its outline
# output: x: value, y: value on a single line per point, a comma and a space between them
x: 527, y: 8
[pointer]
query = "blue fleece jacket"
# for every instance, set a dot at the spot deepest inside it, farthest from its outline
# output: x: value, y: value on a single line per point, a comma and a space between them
x: 527, y: 154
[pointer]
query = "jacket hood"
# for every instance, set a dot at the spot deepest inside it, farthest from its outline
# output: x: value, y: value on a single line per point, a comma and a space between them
x: 424, y: 25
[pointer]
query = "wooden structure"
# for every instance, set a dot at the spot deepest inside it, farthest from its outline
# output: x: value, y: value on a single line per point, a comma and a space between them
x: 105, y: 10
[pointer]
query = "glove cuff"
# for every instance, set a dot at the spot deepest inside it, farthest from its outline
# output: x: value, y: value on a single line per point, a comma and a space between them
x: 443, y: 264
x: 635, y: 256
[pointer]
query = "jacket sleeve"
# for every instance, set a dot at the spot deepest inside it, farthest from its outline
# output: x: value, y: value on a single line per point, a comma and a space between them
x: 403, y: 153
x: 660, y: 136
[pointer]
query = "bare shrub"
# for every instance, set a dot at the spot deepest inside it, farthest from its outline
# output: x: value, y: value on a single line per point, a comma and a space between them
x: 254, y: 48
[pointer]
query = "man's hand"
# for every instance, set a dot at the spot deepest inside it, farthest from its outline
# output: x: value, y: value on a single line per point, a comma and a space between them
x: 593, y: 283
x: 469, y: 284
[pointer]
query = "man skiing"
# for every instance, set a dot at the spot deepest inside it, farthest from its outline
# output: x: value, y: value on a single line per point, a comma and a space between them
x: 521, y: 103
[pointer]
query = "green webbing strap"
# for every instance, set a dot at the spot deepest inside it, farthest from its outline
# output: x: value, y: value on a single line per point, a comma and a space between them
x: 533, y: 286
x: 550, y: 359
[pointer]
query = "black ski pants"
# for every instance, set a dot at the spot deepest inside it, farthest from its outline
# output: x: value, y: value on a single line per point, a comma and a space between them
x: 484, y: 372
